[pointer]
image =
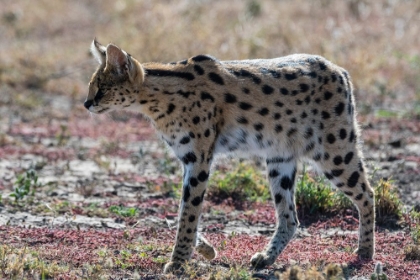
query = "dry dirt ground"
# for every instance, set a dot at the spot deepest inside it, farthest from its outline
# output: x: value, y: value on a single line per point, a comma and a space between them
x: 87, y: 164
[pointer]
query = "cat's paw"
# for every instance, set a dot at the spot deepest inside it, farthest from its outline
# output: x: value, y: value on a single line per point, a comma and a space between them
x: 261, y: 260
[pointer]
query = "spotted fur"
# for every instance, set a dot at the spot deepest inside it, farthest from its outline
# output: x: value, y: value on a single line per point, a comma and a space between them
x: 288, y: 109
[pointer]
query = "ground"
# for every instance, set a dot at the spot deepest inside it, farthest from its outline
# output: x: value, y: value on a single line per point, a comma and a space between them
x: 105, y: 181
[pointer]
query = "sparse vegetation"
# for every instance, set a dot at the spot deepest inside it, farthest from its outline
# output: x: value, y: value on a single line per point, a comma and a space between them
x: 25, y: 185
x: 330, y: 272
x: 242, y: 183
x: 123, y: 211
x: 314, y: 195
x: 388, y: 205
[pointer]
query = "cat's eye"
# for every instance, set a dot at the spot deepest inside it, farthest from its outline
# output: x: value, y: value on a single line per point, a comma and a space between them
x: 99, y: 95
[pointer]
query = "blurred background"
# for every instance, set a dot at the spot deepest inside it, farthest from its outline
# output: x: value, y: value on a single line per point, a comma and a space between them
x: 44, y: 45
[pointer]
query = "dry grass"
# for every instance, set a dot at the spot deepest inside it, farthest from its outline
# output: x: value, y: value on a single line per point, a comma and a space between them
x: 377, y: 41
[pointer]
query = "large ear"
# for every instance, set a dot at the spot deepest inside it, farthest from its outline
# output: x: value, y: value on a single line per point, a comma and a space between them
x: 122, y: 62
x: 116, y: 58
x: 98, y: 51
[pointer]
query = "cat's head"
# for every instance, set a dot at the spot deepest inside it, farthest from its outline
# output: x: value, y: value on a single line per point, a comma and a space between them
x: 117, y: 81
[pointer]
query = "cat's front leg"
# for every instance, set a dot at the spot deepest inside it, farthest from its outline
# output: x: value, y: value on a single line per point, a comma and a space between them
x: 196, y: 173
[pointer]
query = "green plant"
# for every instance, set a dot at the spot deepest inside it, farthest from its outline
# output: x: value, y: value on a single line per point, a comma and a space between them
x: 314, y: 195
x: 26, y: 184
x: 388, y: 205
x: 63, y: 135
x: 243, y: 183
x: 123, y: 211
x: 415, y: 231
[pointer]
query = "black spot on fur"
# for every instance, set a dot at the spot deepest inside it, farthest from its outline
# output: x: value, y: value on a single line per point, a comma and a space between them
x: 193, y: 182
x: 207, y: 133
x: 310, y: 147
x: 230, y: 98
x: 304, y: 87
x: 327, y: 95
x: 185, y: 94
x: 167, y: 73
x: 185, y: 140
x: 186, y: 194
x: 309, y: 133
x: 290, y: 76
x: 338, y: 160
x: 339, y: 108
x: 196, y: 119
x: 343, y: 134
x: 258, y: 126
x: 284, y: 91
x: 328, y: 175
x: 273, y: 173
x: 337, y: 172
x: 242, y: 120
x: 189, y: 157
x: 245, y: 106
x: 279, y: 160
x: 171, y: 108
x: 206, y: 96
x: 286, y: 183
x: 203, y: 176
x: 263, y: 111
x: 353, y: 179
x: 289, y: 112
x: 199, y: 70
x: 196, y: 201
x: 278, y: 198
x: 317, y: 157
x: 278, y: 128
x: 247, y: 74
x: 267, y: 89
x: 191, y: 218
x: 322, y: 66
x: 352, y: 136
x: 279, y: 104
x: 202, y: 57
x: 291, y: 132
x: 325, y: 115
x: 359, y: 196
x: 348, y: 158
x: 331, y: 138
x: 216, y: 78
x: 277, y: 116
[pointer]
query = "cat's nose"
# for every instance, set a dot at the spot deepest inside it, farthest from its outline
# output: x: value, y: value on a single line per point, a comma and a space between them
x: 88, y: 103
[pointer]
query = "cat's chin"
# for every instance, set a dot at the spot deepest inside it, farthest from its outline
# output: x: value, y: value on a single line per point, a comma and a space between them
x: 96, y: 110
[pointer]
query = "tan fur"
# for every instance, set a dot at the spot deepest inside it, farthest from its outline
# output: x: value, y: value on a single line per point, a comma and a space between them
x: 288, y: 109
